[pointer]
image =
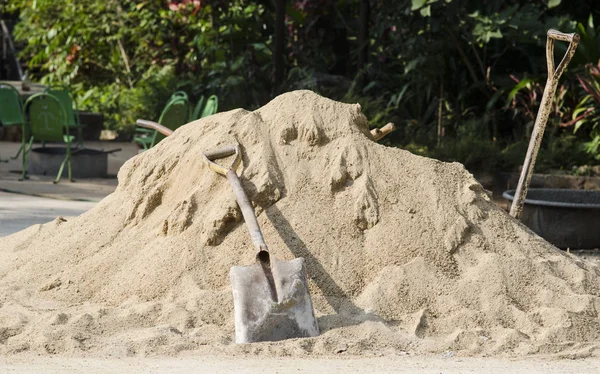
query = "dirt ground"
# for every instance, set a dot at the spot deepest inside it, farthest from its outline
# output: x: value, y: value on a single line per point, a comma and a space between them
x: 216, y: 364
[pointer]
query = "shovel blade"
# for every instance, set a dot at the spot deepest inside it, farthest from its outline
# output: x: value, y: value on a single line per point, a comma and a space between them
x: 258, y: 317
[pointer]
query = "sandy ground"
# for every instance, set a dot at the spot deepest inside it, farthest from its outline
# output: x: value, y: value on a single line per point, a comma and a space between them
x: 214, y: 364
x: 20, y: 211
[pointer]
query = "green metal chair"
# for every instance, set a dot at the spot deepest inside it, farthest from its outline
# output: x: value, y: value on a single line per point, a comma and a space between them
x: 212, y: 104
x: 182, y: 95
x: 47, y: 122
x: 175, y: 114
x: 71, y: 110
x: 179, y: 95
x: 197, y: 109
x: 11, y: 110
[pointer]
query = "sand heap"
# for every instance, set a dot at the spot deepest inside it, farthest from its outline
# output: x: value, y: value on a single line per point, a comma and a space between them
x: 404, y: 253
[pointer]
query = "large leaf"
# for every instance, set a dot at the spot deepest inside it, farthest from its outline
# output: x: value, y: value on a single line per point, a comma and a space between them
x: 521, y: 85
x: 417, y: 4
x: 553, y: 3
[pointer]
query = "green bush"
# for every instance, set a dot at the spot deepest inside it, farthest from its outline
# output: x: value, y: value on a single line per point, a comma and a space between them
x: 124, y: 58
x: 474, y: 153
x: 443, y: 71
x: 147, y: 99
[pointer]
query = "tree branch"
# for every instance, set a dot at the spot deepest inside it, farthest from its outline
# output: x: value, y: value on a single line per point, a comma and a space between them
x: 463, y: 55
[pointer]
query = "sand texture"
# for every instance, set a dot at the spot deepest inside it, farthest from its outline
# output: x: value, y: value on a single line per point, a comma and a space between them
x: 404, y: 253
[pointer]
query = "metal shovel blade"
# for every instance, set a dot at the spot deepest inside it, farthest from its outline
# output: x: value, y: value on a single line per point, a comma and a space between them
x: 258, y: 317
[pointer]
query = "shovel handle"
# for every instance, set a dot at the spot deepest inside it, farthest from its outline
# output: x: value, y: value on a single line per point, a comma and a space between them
x: 543, y: 113
x: 562, y: 36
x: 225, y: 151
x: 248, y: 212
x: 381, y: 132
x: 154, y: 126
x: 238, y: 190
x: 553, y: 35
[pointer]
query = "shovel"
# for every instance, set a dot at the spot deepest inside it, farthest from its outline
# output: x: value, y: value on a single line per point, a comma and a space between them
x: 543, y: 113
x: 270, y: 298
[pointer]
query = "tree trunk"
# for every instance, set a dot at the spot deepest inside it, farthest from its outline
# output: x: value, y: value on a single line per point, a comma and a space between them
x: 278, y: 45
x: 363, y: 34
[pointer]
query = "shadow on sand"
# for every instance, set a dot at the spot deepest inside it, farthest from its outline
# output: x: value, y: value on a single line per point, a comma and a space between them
x: 347, y: 313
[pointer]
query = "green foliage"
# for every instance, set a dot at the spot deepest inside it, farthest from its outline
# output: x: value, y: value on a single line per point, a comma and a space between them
x: 113, y: 54
x: 461, y: 79
x: 588, y: 50
x: 563, y: 152
x: 511, y: 157
x: 576, y: 106
x: 476, y: 154
x: 586, y: 116
x: 147, y: 99
x: 561, y: 148
x: 447, y: 54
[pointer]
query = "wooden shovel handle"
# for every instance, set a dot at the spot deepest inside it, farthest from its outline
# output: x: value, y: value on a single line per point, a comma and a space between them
x: 379, y: 133
x: 248, y: 212
x: 225, y: 151
x: 242, y: 199
x: 562, y: 36
x: 552, y: 35
x: 543, y: 113
x: 154, y: 126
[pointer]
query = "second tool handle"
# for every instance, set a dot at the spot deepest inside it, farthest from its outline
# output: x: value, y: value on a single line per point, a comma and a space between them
x: 543, y: 113
x: 553, y: 35
x: 562, y: 36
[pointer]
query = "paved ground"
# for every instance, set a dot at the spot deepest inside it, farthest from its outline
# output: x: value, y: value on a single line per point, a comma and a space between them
x: 38, y: 200
x: 216, y: 364
x: 21, y: 211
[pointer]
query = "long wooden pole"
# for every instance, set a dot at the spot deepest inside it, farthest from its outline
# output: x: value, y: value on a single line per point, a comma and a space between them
x: 543, y: 113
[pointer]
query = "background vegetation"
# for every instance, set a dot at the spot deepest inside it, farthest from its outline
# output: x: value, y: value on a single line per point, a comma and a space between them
x: 462, y: 79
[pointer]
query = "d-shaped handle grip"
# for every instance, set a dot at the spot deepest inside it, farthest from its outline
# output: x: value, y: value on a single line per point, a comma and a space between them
x: 218, y: 153
x: 553, y: 35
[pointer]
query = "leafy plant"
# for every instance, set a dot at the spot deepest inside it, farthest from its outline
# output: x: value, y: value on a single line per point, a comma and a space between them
x: 109, y: 53
x: 587, y: 112
x: 441, y: 70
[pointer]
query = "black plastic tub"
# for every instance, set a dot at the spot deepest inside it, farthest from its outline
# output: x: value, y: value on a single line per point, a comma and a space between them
x: 564, y: 217
x: 85, y: 162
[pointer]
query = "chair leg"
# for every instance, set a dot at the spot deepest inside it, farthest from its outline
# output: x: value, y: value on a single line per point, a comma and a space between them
x: 153, y: 140
x: 69, y: 164
x: 60, y: 170
x: 79, y: 137
x: 67, y: 161
x: 24, y: 167
x: 19, y: 152
x: 20, y: 148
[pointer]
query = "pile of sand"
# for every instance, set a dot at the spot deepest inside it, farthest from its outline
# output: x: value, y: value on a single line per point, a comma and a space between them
x: 404, y: 253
